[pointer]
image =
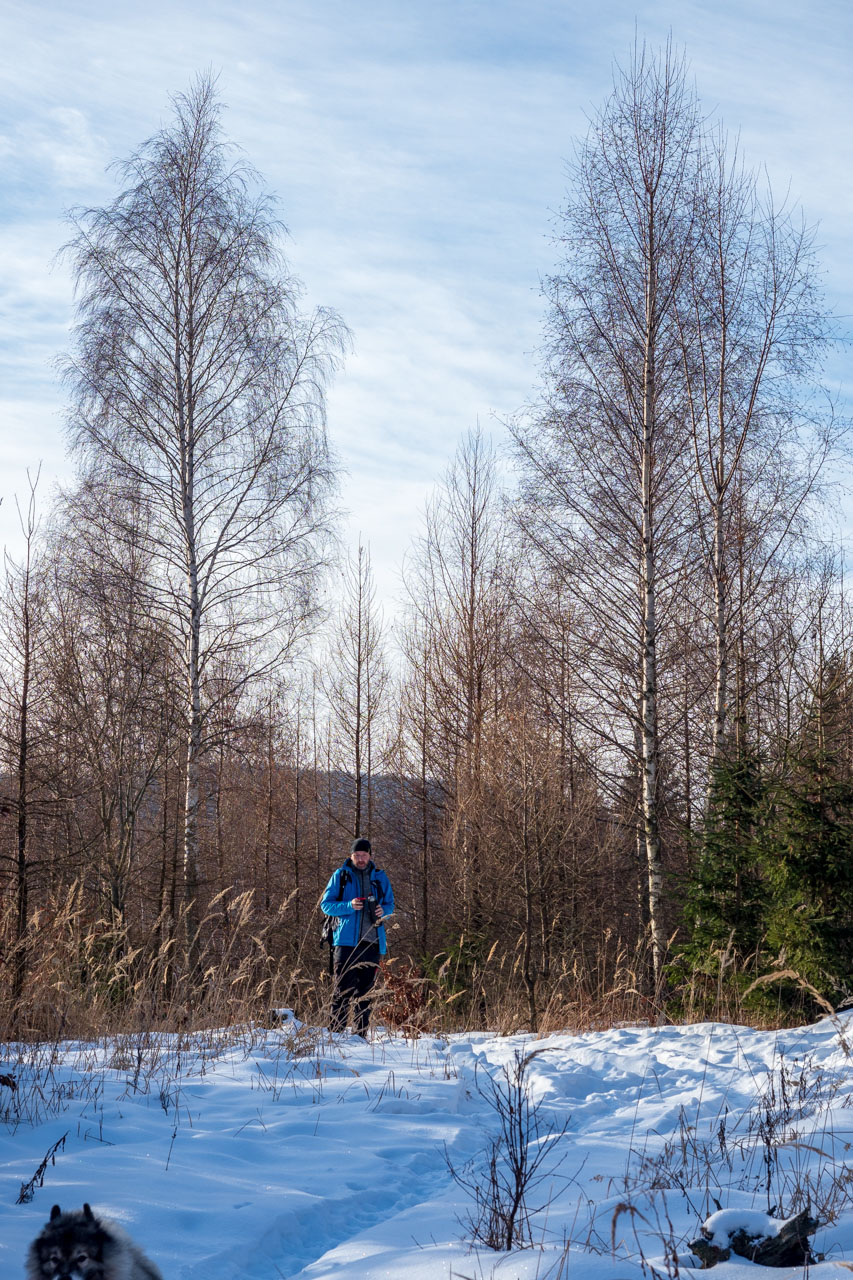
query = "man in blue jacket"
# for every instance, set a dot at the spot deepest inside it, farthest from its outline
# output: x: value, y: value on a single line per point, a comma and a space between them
x: 359, y: 897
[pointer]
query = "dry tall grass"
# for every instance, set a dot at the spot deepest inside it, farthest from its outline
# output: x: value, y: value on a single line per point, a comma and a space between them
x: 90, y: 978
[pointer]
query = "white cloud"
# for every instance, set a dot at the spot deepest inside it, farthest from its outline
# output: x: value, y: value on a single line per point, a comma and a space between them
x: 76, y: 152
x: 418, y: 151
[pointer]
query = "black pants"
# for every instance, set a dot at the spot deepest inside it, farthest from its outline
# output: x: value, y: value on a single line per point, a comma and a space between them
x: 355, y: 974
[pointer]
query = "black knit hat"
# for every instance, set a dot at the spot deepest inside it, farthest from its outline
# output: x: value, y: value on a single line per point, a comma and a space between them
x: 360, y: 844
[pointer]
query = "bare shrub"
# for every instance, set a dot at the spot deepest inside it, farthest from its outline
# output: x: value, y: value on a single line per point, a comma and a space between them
x: 502, y: 1192
x: 402, y: 997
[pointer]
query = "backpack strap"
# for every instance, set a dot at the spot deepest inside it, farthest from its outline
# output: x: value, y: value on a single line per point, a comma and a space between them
x: 329, y: 924
x: 329, y: 921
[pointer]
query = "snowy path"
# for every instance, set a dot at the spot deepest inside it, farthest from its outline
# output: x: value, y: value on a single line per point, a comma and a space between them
x: 313, y: 1157
x: 346, y: 1147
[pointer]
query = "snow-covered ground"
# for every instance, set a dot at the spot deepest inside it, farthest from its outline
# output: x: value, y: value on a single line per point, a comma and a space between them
x: 291, y: 1153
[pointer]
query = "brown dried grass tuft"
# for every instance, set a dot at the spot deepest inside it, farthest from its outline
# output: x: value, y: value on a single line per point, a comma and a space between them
x: 89, y: 978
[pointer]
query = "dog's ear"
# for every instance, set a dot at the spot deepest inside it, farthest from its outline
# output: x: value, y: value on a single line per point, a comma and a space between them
x: 87, y: 1213
x: 55, y: 1212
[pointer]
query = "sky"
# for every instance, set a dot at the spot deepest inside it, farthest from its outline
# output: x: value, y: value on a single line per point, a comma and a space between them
x: 245, y: 1154
x: 418, y: 152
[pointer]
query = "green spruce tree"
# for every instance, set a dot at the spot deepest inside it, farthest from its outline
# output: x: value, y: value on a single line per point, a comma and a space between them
x: 810, y: 855
x: 726, y: 899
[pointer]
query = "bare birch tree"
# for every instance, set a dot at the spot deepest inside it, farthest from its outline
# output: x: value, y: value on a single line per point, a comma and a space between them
x: 609, y: 459
x: 197, y: 380
x: 753, y: 327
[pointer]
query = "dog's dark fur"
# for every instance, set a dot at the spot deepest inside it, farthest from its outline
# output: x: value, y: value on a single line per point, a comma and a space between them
x: 77, y: 1245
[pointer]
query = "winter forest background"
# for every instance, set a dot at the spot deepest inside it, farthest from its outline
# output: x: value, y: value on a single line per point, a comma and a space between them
x: 605, y: 754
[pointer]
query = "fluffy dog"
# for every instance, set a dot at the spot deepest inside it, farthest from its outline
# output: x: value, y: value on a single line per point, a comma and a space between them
x: 78, y: 1246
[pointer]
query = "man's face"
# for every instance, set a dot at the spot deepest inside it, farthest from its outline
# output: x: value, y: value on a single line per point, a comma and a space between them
x: 361, y: 859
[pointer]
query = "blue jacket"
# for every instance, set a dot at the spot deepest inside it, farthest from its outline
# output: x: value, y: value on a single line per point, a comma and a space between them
x: 337, y: 902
